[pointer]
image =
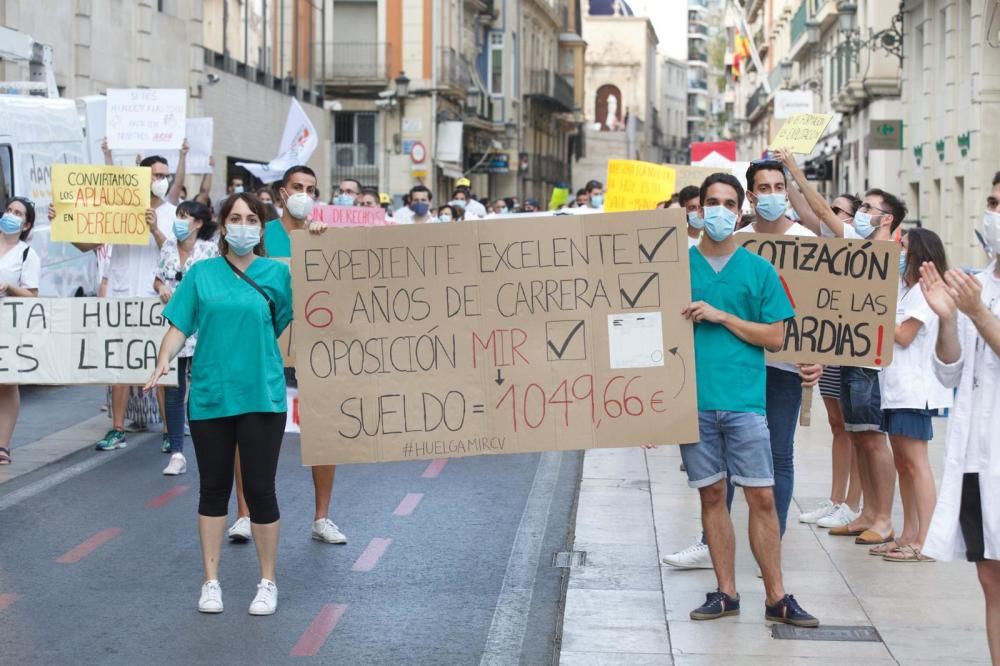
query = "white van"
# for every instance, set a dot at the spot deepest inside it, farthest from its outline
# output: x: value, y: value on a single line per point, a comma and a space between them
x: 36, y: 132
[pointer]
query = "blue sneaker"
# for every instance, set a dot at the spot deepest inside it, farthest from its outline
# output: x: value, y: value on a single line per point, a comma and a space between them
x: 115, y: 439
x: 788, y: 611
x: 717, y: 604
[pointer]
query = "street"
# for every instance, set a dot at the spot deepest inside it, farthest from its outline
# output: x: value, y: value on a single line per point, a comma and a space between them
x: 105, y: 567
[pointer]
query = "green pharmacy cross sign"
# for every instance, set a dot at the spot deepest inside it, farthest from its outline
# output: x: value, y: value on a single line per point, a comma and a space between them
x: 886, y: 135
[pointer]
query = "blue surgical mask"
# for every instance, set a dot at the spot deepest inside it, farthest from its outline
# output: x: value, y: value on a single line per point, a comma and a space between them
x: 10, y: 224
x: 444, y: 218
x: 237, y: 189
x: 596, y: 200
x: 420, y: 208
x: 695, y: 221
x: 242, y: 238
x: 863, y: 224
x: 504, y: 211
x: 771, y: 206
x: 343, y: 200
x: 181, y: 230
x: 720, y: 223
x: 458, y: 203
x: 902, y: 263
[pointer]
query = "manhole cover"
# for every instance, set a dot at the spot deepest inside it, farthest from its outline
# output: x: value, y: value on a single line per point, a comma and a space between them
x: 574, y: 558
x: 858, y: 634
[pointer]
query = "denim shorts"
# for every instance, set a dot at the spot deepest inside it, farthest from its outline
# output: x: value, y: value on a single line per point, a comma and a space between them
x: 860, y: 399
x: 736, y: 444
x: 912, y: 423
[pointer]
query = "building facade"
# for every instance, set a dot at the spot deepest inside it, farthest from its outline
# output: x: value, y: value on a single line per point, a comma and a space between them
x: 673, y: 109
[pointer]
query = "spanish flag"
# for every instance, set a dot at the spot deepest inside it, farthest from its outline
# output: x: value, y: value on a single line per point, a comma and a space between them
x: 741, y: 50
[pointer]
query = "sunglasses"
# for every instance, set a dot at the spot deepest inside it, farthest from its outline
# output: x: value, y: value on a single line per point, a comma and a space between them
x: 867, y: 208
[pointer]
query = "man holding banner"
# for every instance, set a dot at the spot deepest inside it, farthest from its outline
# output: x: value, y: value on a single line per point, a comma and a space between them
x: 732, y: 328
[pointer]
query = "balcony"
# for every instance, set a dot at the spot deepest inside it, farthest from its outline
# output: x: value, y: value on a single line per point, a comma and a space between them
x: 454, y: 72
x: 697, y: 31
x: 548, y: 169
x: 695, y: 58
x: 352, y: 64
x: 551, y: 88
x: 697, y: 87
x: 798, y: 27
x: 757, y: 99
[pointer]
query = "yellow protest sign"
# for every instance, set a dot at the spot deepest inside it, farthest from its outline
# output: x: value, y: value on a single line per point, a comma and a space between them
x: 635, y: 185
x: 801, y: 132
x: 100, y: 204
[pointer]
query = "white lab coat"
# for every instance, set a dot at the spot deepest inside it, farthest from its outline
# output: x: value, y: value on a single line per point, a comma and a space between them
x: 944, y: 539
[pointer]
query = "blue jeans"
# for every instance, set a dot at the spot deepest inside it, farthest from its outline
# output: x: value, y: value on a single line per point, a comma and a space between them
x: 784, y: 399
x: 176, y: 403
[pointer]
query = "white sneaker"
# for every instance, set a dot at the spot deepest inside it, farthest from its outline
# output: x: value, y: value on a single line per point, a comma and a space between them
x: 266, y: 601
x: 694, y: 556
x: 326, y: 530
x: 177, y: 465
x: 825, y: 508
x: 211, y: 598
x: 240, y: 531
x: 841, y: 516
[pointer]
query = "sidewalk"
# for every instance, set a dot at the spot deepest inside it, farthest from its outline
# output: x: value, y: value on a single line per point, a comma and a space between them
x: 623, y: 607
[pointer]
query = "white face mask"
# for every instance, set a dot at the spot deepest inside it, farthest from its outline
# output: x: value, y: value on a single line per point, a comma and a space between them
x: 991, y: 230
x: 299, y: 205
x: 159, y: 188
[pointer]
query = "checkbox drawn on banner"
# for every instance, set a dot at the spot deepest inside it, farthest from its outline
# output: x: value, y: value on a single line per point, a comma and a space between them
x: 657, y: 245
x: 566, y: 340
x: 639, y: 290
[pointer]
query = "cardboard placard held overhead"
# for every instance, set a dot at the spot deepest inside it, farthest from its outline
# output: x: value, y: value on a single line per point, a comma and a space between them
x: 100, y: 204
x: 506, y: 336
x: 81, y: 340
x: 635, y: 185
x: 844, y: 294
x: 801, y: 132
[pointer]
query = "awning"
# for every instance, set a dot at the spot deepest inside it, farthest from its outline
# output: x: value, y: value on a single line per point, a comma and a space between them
x: 450, y: 170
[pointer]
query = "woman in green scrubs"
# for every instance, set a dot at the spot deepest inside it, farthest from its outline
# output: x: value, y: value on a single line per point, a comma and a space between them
x: 238, y: 304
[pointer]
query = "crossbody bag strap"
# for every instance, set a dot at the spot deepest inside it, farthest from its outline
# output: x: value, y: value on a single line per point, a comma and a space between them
x: 243, y: 276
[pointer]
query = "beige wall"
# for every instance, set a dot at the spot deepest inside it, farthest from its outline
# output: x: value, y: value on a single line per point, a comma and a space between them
x: 619, y: 52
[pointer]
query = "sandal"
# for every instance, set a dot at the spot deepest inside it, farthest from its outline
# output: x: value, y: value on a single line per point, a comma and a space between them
x: 885, y: 548
x: 5, y: 456
x: 907, y: 554
x: 873, y: 538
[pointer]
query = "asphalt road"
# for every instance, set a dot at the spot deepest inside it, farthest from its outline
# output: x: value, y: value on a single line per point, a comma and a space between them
x: 104, y: 566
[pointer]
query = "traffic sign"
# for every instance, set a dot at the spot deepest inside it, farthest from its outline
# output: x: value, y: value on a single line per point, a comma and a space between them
x: 886, y: 135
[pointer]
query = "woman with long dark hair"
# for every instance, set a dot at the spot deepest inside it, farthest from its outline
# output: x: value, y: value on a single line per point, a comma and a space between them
x: 911, y: 395
x: 238, y: 304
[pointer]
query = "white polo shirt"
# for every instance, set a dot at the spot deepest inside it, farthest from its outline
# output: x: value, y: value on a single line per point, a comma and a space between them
x: 130, y: 273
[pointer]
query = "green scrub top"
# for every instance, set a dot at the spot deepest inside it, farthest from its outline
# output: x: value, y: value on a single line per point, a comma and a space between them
x: 276, y: 240
x: 731, y: 373
x: 237, y: 366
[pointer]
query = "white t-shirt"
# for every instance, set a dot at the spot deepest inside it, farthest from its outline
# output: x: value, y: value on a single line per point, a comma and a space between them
x: 130, y: 273
x: 849, y: 232
x: 475, y: 209
x: 795, y: 230
x: 692, y: 242
x: 909, y: 382
x: 20, y: 269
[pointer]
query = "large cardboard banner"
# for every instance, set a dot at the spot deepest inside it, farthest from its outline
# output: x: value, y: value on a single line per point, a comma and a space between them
x: 100, y: 204
x: 844, y: 294
x: 146, y: 118
x: 80, y: 340
x: 635, y: 185
x: 506, y: 336
x: 692, y: 175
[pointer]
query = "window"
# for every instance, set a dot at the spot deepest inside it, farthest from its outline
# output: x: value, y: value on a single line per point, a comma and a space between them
x: 495, y: 74
x: 354, y: 139
x: 6, y: 173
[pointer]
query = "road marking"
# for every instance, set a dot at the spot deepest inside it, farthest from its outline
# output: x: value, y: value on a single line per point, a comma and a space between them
x: 373, y: 552
x: 53, y: 480
x: 165, y: 498
x: 510, y: 619
x: 7, y: 600
x: 318, y: 631
x: 90, y: 545
x: 434, y: 469
x: 409, y: 503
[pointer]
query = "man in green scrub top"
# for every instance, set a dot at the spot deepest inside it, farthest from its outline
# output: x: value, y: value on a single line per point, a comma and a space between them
x: 297, y: 192
x: 738, y: 309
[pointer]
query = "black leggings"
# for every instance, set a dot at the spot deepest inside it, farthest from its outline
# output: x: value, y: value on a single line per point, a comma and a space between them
x: 259, y: 435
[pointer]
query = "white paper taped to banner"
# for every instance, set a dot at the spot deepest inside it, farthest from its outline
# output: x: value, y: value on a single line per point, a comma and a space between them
x: 81, y: 340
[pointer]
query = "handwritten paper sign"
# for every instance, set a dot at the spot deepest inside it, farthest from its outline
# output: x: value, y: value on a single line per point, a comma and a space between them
x: 146, y: 118
x: 844, y: 295
x: 349, y: 216
x: 505, y: 336
x: 100, y: 204
x: 80, y: 340
x: 801, y: 132
x: 635, y: 185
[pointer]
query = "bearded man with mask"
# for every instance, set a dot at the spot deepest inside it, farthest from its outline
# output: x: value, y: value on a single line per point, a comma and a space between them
x: 130, y: 274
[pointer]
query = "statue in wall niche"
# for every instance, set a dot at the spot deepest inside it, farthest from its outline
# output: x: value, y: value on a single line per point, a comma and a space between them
x: 608, y: 108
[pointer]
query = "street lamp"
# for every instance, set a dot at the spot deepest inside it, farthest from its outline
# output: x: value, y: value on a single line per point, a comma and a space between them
x: 812, y: 31
x: 402, y: 86
x: 847, y: 14
x: 786, y: 71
